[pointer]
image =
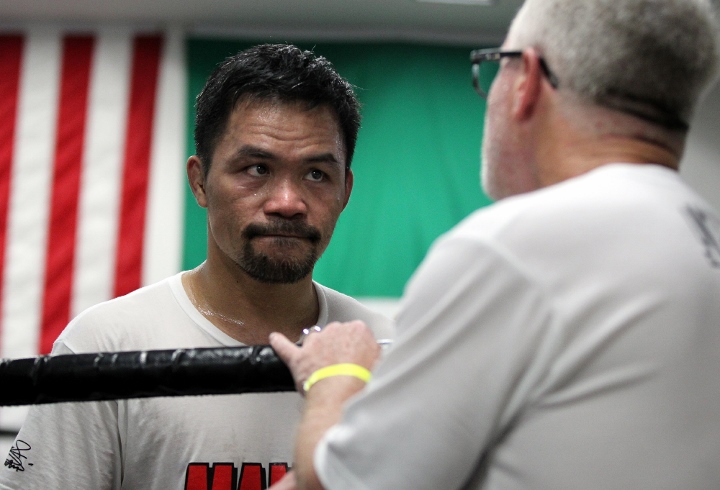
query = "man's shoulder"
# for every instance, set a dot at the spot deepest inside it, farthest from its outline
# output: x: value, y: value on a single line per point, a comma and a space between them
x: 343, y: 308
x: 118, y: 323
x: 606, y: 194
x: 618, y: 211
x: 136, y: 302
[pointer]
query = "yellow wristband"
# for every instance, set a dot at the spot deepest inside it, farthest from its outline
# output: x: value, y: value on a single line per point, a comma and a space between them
x: 354, y: 370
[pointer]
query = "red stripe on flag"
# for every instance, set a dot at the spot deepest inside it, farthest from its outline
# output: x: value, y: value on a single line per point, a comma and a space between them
x: 11, y: 48
x: 136, y: 165
x: 72, y: 115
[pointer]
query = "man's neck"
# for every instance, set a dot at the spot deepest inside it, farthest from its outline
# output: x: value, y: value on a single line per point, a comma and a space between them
x: 249, y: 310
x: 572, y: 147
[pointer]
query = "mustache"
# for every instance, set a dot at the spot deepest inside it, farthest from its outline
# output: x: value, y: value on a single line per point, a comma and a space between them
x: 293, y: 228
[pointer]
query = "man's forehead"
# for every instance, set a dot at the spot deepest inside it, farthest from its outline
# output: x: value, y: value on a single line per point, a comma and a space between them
x: 252, y: 114
x: 271, y: 107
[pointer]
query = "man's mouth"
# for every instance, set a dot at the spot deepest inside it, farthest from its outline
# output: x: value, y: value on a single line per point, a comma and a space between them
x: 283, y: 230
x: 281, y: 235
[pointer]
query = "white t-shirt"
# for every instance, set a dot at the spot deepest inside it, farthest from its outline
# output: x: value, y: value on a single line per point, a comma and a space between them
x: 568, y: 338
x: 192, y: 443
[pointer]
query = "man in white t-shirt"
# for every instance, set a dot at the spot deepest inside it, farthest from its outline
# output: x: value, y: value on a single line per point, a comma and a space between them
x: 568, y: 336
x: 275, y: 133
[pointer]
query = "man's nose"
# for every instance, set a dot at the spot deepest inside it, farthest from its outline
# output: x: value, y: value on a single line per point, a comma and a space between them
x: 285, y: 198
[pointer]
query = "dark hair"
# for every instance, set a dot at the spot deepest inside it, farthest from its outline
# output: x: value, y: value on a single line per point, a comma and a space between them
x: 274, y: 72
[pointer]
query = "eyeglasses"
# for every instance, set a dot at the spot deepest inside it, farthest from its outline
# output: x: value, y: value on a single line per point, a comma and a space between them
x: 485, y: 67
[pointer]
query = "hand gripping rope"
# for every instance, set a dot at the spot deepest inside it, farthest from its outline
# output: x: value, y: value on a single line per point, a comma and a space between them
x: 142, y: 374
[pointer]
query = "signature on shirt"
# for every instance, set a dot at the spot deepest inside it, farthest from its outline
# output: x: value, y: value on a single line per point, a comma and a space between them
x: 16, y: 456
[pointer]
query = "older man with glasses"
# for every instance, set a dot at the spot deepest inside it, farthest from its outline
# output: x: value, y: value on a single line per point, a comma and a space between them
x: 567, y: 336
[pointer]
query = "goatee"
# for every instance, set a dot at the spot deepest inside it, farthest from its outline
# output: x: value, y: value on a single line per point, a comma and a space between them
x: 280, y: 269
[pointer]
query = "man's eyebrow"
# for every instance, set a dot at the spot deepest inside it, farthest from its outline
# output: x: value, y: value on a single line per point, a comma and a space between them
x: 256, y: 152
x: 323, y: 158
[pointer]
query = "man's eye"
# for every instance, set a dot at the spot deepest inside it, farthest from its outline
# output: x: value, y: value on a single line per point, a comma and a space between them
x: 315, y: 175
x: 257, y: 170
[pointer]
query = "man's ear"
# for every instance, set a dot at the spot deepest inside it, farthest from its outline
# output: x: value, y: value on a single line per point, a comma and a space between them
x: 528, y: 85
x: 349, y: 180
x: 196, y: 179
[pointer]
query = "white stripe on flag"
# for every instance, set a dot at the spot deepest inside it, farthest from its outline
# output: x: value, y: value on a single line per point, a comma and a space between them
x: 164, y: 218
x: 30, y: 194
x: 102, y: 170
x: 29, y: 197
x: 100, y: 183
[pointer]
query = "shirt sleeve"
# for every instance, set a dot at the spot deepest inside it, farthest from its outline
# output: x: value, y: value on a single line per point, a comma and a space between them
x: 66, y: 445
x: 461, y: 369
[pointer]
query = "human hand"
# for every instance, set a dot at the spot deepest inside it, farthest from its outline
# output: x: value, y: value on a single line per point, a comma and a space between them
x: 337, y: 343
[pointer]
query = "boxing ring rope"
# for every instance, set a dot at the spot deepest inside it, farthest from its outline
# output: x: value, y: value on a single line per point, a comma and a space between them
x: 142, y: 374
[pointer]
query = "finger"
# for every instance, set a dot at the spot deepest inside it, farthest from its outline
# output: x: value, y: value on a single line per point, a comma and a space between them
x: 288, y: 352
x: 284, y: 348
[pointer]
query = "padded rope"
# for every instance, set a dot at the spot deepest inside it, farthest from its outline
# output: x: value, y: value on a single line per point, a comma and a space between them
x: 142, y: 374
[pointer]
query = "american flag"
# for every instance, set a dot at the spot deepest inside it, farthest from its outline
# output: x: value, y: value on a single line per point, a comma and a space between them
x: 92, y: 132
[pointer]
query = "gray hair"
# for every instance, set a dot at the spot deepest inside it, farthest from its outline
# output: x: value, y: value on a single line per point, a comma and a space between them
x: 652, y: 58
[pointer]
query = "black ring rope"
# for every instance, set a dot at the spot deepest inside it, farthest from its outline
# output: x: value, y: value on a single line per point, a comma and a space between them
x: 142, y: 374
